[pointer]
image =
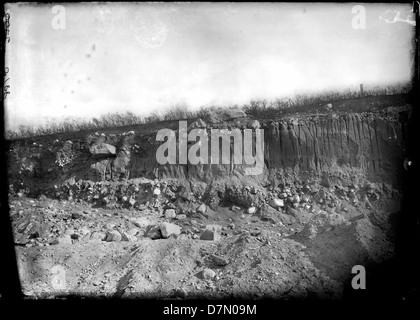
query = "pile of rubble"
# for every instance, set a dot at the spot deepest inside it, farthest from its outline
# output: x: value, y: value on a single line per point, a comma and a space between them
x: 53, y: 222
x: 271, y: 236
x: 142, y: 194
x: 169, y: 209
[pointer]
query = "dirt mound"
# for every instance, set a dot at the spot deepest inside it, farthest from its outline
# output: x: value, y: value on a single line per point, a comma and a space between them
x: 335, y: 244
x: 283, y: 252
x: 257, y: 259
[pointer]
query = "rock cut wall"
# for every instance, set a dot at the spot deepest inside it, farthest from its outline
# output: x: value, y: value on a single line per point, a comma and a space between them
x: 365, y: 145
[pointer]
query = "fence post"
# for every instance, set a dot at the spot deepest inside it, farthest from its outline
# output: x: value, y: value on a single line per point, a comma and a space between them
x: 361, y: 89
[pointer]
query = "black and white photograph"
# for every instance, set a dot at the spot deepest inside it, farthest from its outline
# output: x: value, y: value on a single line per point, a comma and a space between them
x: 181, y: 151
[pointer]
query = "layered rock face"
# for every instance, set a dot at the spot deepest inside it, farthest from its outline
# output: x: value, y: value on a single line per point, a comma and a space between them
x: 352, y: 143
x: 359, y: 145
x: 366, y: 146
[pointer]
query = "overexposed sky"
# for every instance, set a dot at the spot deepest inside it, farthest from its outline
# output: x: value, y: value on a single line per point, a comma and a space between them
x: 147, y: 57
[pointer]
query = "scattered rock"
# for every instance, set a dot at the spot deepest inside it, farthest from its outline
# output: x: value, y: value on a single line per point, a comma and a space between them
x: 142, y: 207
x: 328, y: 106
x: 103, y: 148
x: 202, y: 208
x: 170, y: 214
x: 140, y: 222
x: 302, y: 216
x: 168, y: 229
x: 251, y: 210
x: 34, y: 235
x: 254, y: 124
x: 321, y: 222
x: 181, y: 293
x: 125, y: 236
x: 76, y: 215
x: 156, y: 192
x: 212, y: 233
x: 296, y: 199
x: 255, y: 233
x: 83, y: 232
x: 113, y: 236
x: 198, y: 124
x: 219, y: 260
x: 208, y: 274
x: 276, y: 203
x: 186, y: 195
x: 62, y: 240
x: 283, y: 195
x: 75, y: 236
x: 98, y: 236
x: 235, y: 208
x: 285, y: 218
x: 109, y: 226
x: 69, y: 232
x: 132, y: 231
x: 153, y: 232
x: 181, y: 217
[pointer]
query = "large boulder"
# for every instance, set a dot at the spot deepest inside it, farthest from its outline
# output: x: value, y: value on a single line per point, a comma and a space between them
x: 168, y: 229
